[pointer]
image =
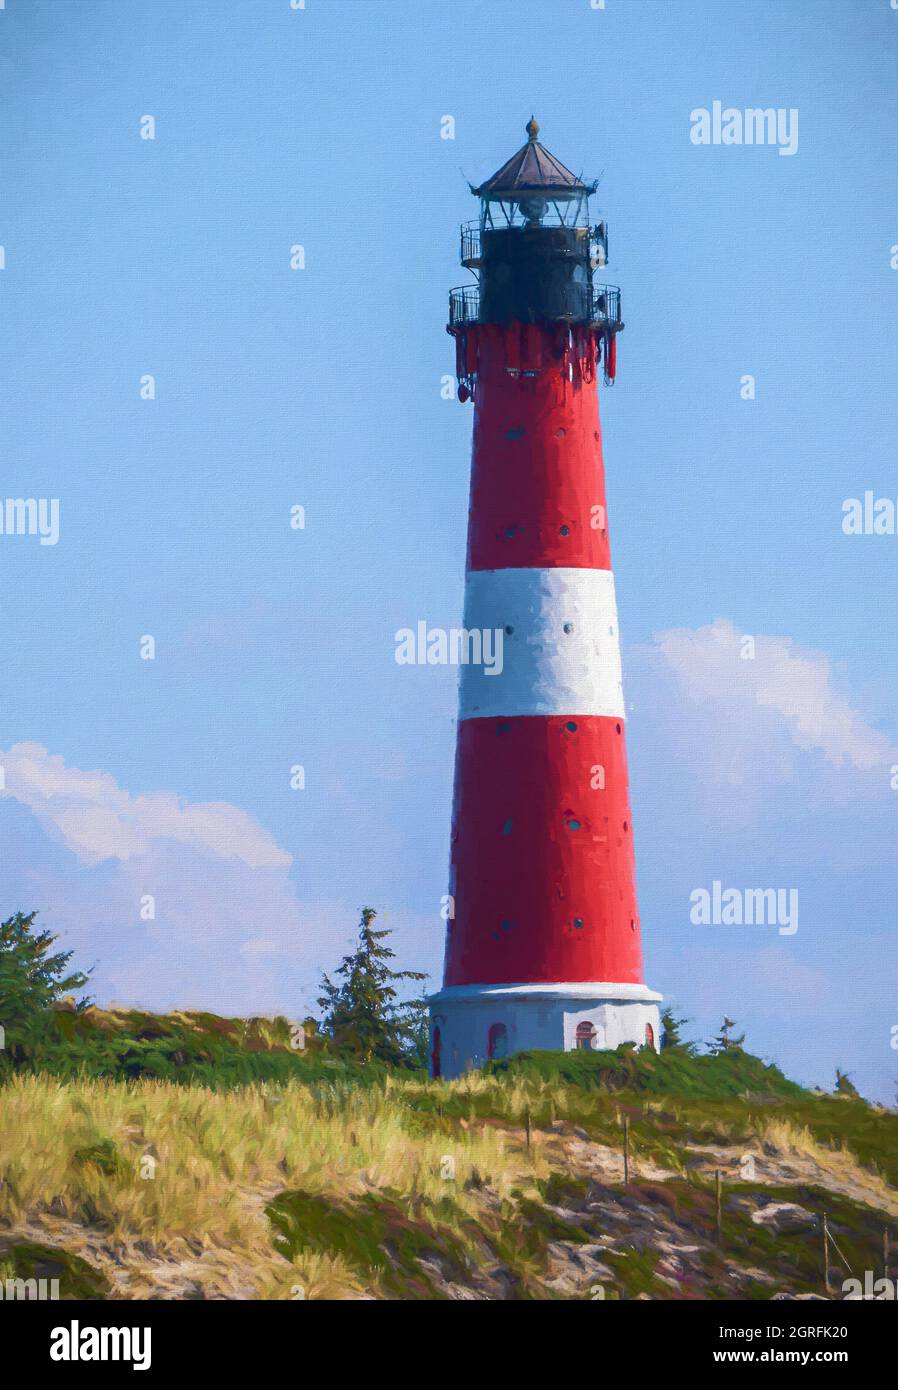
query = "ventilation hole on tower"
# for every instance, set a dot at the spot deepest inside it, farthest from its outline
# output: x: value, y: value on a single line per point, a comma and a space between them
x: 573, y: 825
x: 495, y: 935
x: 509, y: 532
x: 515, y: 434
x: 504, y: 728
x: 564, y: 531
x: 560, y: 433
x: 578, y: 923
x: 506, y: 829
x: 571, y: 726
x: 509, y: 629
x: 506, y: 925
x: 569, y: 627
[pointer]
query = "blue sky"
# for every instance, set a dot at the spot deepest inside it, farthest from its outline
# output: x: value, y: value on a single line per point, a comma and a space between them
x: 322, y: 388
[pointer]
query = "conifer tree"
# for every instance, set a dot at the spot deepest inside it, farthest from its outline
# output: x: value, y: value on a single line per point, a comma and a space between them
x: 33, y: 978
x: 671, y: 1035
x: 845, y: 1086
x: 725, y: 1042
x: 360, y: 1010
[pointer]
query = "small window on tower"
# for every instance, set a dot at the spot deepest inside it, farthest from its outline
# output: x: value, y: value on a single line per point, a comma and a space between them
x: 586, y: 1036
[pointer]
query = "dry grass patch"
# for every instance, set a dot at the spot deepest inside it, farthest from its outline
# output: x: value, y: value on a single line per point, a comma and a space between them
x: 836, y: 1167
x: 179, y: 1177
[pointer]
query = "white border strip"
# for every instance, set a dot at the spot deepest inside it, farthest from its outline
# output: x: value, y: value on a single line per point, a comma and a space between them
x: 581, y: 990
x: 562, y: 653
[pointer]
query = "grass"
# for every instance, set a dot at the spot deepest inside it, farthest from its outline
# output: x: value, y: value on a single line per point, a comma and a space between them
x: 177, y: 1169
x: 377, y: 1238
x: 190, y: 1048
x: 671, y: 1072
x: 27, y: 1260
x: 346, y: 1182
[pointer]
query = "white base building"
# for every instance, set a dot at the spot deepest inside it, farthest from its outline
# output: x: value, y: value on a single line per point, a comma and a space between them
x: 473, y: 1024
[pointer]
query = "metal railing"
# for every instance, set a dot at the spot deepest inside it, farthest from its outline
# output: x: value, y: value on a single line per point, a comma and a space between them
x: 464, y: 305
x: 470, y: 243
x: 606, y: 306
x: 604, y: 309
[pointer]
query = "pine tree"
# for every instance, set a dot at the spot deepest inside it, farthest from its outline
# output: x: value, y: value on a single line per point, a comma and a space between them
x: 671, y: 1035
x: 32, y: 980
x: 361, y: 1013
x: 725, y: 1042
x: 845, y: 1086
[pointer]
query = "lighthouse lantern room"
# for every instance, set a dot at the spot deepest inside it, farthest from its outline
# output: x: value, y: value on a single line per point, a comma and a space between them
x: 543, y: 935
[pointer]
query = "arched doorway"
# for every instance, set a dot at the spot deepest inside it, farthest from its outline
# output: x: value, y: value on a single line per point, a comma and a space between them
x: 586, y: 1036
x: 435, y: 1064
x: 497, y: 1045
x: 650, y: 1036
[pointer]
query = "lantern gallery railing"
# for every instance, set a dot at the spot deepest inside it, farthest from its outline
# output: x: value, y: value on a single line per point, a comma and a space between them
x: 470, y: 245
x: 601, y: 305
x: 606, y: 306
x: 464, y: 305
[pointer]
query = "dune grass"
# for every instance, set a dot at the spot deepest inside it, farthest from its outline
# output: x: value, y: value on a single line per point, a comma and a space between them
x: 187, y: 1171
x: 357, y: 1188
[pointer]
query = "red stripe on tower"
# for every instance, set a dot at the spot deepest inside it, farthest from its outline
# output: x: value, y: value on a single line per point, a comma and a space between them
x: 543, y: 938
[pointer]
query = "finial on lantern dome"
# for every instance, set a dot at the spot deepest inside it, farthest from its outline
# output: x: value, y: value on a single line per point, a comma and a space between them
x: 532, y: 127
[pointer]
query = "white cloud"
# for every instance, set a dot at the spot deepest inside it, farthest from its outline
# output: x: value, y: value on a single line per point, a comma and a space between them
x: 230, y: 932
x: 98, y: 820
x: 793, y: 685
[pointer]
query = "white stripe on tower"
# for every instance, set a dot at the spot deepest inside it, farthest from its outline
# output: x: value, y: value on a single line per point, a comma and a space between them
x: 560, y: 647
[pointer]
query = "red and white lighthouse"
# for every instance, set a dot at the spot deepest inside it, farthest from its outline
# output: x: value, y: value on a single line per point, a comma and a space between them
x: 543, y: 936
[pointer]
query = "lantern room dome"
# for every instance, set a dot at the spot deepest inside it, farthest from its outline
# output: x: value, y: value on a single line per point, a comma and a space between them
x: 533, y: 171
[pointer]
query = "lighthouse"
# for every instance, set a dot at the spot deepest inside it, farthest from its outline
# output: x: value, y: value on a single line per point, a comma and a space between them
x: 543, y: 946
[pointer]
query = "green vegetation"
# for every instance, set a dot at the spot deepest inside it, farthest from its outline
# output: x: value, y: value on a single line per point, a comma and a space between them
x: 675, y: 1071
x: 390, y: 1185
x: 46, y: 1029
x: 361, y: 1014
x: 188, y: 1155
x: 377, y: 1236
x: 185, y: 1048
x: 26, y: 1260
x: 845, y: 1086
x: 32, y: 979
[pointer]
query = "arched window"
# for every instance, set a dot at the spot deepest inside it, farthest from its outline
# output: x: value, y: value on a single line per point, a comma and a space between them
x: 650, y: 1036
x: 498, y: 1040
x: 435, y: 1063
x: 586, y: 1035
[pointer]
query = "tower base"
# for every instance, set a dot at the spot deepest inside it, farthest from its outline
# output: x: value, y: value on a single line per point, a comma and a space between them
x: 471, y: 1024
